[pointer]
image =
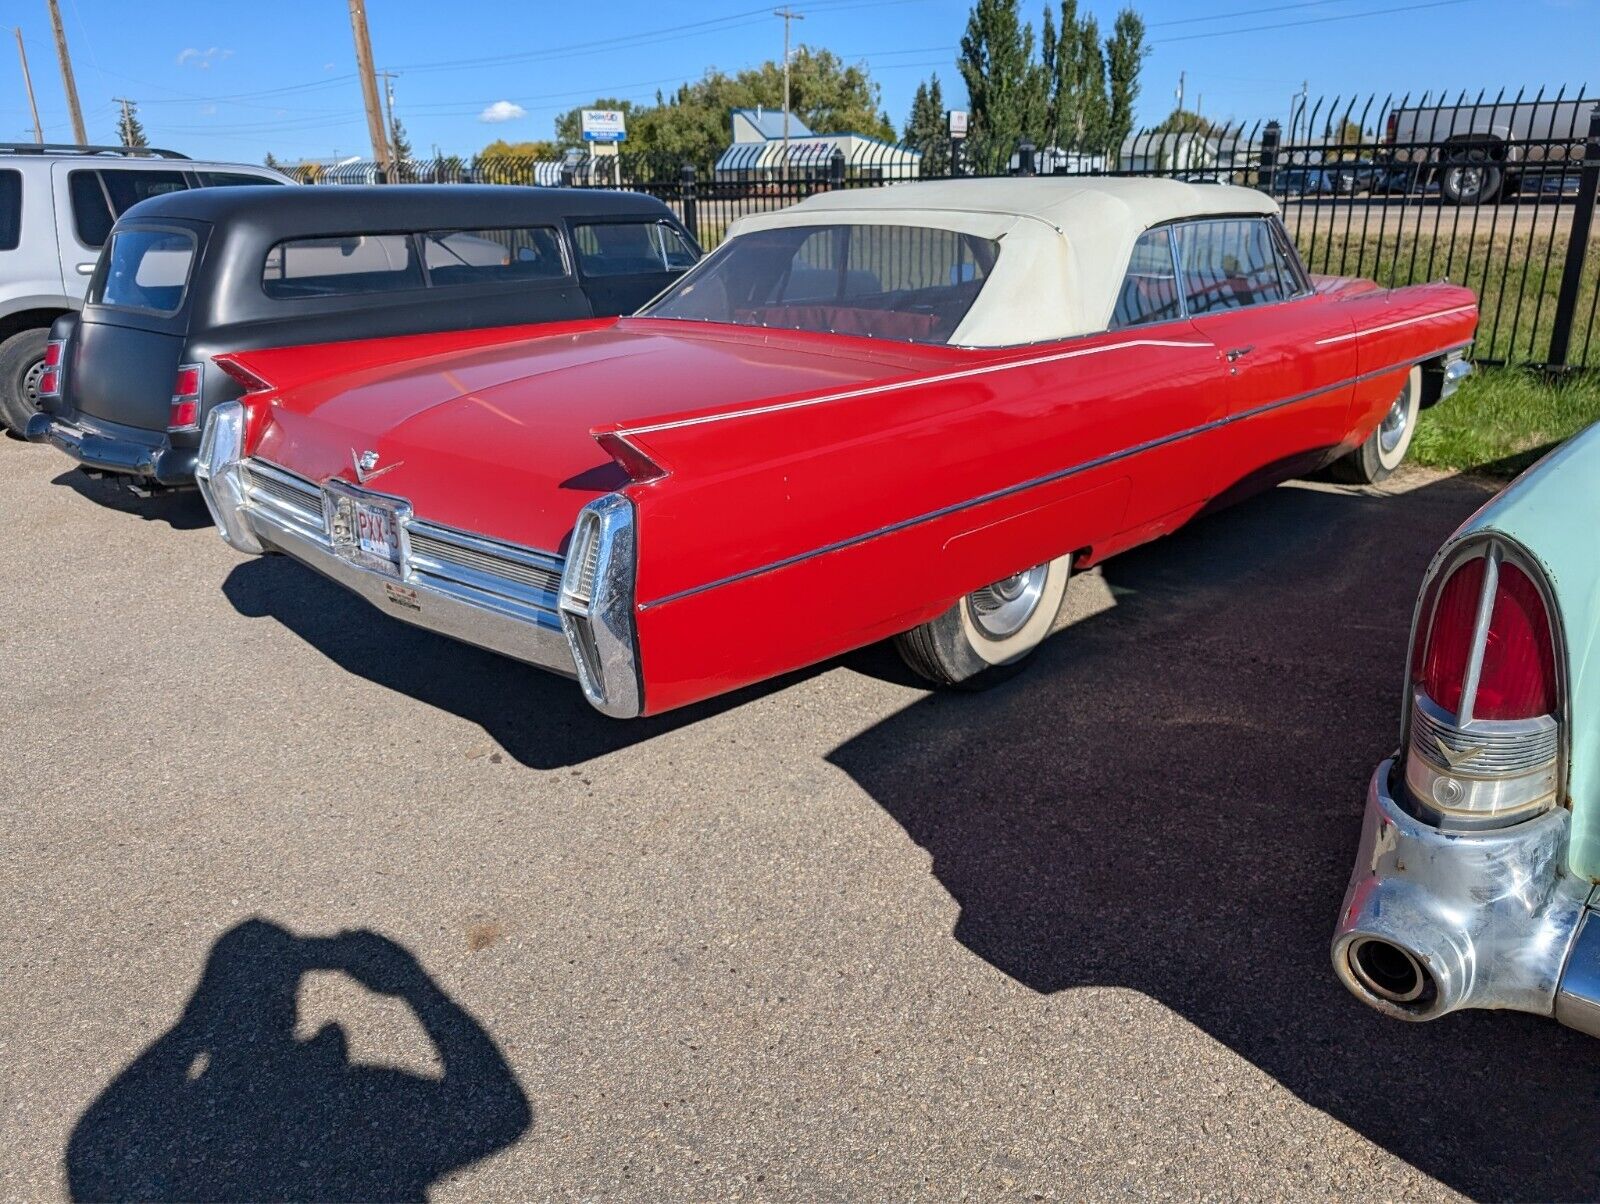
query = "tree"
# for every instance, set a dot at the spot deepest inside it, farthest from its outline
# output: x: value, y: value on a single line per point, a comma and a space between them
x: 926, y: 130
x: 130, y: 131
x: 399, y: 144
x: 1183, y: 121
x: 693, y: 123
x: 1125, y: 54
x: 271, y: 162
x: 1007, y: 90
x: 501, y: 149
x: 1091, y: 120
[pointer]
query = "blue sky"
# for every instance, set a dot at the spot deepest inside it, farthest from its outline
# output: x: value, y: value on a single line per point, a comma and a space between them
x: 236, y: 80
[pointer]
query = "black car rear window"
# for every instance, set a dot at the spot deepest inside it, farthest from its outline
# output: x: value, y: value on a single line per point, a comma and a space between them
x: 146, y: 270
x: 10, y: 210
x: 340, y: 266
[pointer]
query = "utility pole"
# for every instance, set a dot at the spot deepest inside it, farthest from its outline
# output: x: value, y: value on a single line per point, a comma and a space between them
x: 388, y: 112
x: 789, y: 17
x: 22, y: 53
x: 369, y: 85
x: 1180, y: 89
x: 68, y: 84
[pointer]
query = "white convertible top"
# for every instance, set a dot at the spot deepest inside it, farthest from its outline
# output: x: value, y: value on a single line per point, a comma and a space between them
x: 1065, y: 241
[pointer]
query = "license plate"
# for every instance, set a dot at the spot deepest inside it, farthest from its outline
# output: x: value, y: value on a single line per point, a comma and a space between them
x: 365, y: 529
x: 376, y: 532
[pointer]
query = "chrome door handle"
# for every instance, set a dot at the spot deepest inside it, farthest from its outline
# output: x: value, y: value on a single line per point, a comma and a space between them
x: 86, y: 269
x: 1235, y: 354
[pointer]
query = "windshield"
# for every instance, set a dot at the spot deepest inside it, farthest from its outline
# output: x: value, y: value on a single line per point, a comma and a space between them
x: 909, y: 283
x: 146, y: 270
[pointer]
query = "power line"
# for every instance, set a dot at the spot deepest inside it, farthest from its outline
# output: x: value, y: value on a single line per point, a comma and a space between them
x: 1377, y: 12
x: 1246, y: 12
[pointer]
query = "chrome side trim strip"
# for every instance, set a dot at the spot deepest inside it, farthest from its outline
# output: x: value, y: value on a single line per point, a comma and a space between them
x: 1356, y: 334
x: 1036, y: 482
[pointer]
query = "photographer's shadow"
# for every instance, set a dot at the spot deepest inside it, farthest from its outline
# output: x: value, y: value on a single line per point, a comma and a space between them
x: 230, y: 1105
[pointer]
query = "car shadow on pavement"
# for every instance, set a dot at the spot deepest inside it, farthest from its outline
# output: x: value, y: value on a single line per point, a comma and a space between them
x: 229, y: 1104
x: 541, y: 720
x: 1169, y: 801
x: 182, y: 509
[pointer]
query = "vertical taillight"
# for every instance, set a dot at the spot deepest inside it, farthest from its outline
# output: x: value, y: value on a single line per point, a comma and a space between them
x: 184, y: 413
x: 1391, y: 127
x: 1485, y: 704
x: 50, y: 377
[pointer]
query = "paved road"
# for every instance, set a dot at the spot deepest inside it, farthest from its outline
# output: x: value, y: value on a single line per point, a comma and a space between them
x: 299, y: 900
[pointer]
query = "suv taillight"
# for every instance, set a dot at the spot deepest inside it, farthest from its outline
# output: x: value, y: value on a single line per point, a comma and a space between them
x: 50, y: 379
x: 1391, y: 127
x: 1484, y: 726
x: 184, y: 414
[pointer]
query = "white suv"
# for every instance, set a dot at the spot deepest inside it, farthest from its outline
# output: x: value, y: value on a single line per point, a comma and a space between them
x: 57, y: 204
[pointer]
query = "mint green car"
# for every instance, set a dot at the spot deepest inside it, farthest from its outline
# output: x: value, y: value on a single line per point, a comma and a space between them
x: 1475, y: 882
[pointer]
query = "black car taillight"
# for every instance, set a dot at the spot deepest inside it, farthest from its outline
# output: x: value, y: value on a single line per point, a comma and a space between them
x: 1485, y: 698
x: 54, y: 368
x: 184, y: 414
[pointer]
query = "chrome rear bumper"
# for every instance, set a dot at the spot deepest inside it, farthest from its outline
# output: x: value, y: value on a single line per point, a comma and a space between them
x: 1489, y: 919
x: 447, y: 582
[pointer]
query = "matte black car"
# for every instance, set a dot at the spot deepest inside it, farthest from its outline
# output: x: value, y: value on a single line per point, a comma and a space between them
x: 129, y: 381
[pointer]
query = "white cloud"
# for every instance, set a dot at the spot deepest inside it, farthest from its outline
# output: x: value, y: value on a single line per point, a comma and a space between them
x: 502, y: 110
x: 203, y: 59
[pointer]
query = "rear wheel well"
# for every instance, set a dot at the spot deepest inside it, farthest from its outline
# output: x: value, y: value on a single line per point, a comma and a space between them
x: 28, y: 319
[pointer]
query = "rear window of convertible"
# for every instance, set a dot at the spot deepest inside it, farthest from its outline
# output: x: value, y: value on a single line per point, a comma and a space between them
x: 382, y: 263
x: 908, y: 283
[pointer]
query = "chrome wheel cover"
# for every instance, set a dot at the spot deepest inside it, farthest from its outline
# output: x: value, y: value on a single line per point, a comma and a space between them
x: 1001, y: 610
x: 30, y: 382
x: 1468, y: 181
x: 1392, y: 432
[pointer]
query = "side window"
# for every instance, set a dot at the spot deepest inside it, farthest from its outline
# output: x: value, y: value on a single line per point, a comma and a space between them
x: 474, y: 256
x: 630, y: 248
x: 1229, y: 263
x: 91, y: 216
x: 128, y: 188
x: 90, y: 190
x: 10, y: 210
x: 230, y: 179
x: 1150, y: 289
x: 334, y: 267
x: 1294, y: 277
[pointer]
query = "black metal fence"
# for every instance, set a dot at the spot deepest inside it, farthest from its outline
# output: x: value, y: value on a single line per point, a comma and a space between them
x: 1494, y: 192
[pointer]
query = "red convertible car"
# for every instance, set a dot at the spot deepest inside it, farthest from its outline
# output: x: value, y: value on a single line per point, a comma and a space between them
x: 902, y: 412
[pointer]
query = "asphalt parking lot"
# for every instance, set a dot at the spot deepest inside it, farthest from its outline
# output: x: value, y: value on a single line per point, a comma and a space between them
x: 303, y: 902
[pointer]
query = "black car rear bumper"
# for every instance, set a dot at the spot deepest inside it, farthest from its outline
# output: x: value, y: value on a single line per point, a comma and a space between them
x: 109, y: 451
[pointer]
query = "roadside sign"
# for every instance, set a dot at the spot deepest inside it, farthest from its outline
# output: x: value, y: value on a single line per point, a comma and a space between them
x: 958, y: 123
x: 604, y: 125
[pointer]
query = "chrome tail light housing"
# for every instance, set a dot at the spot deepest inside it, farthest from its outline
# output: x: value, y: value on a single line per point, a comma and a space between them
x: 596, y: 604
x: 1484, y: 728
x: 220, y: 475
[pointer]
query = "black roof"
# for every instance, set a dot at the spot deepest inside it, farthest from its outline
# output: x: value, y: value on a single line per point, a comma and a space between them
x: 303, y: 210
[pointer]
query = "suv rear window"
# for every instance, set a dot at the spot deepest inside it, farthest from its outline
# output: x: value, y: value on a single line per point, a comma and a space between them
x: 334, y: 267
x: 630, y: 248
x: 146, y: 270
x: 482, y: 256
x: 10, y: 210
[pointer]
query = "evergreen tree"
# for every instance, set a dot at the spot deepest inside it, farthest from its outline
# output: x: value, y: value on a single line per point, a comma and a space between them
x: 130, y: 131
x: 271, y: 162
x: 1125, y: 52
x: 925, y: 128
x: 400, y: 150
